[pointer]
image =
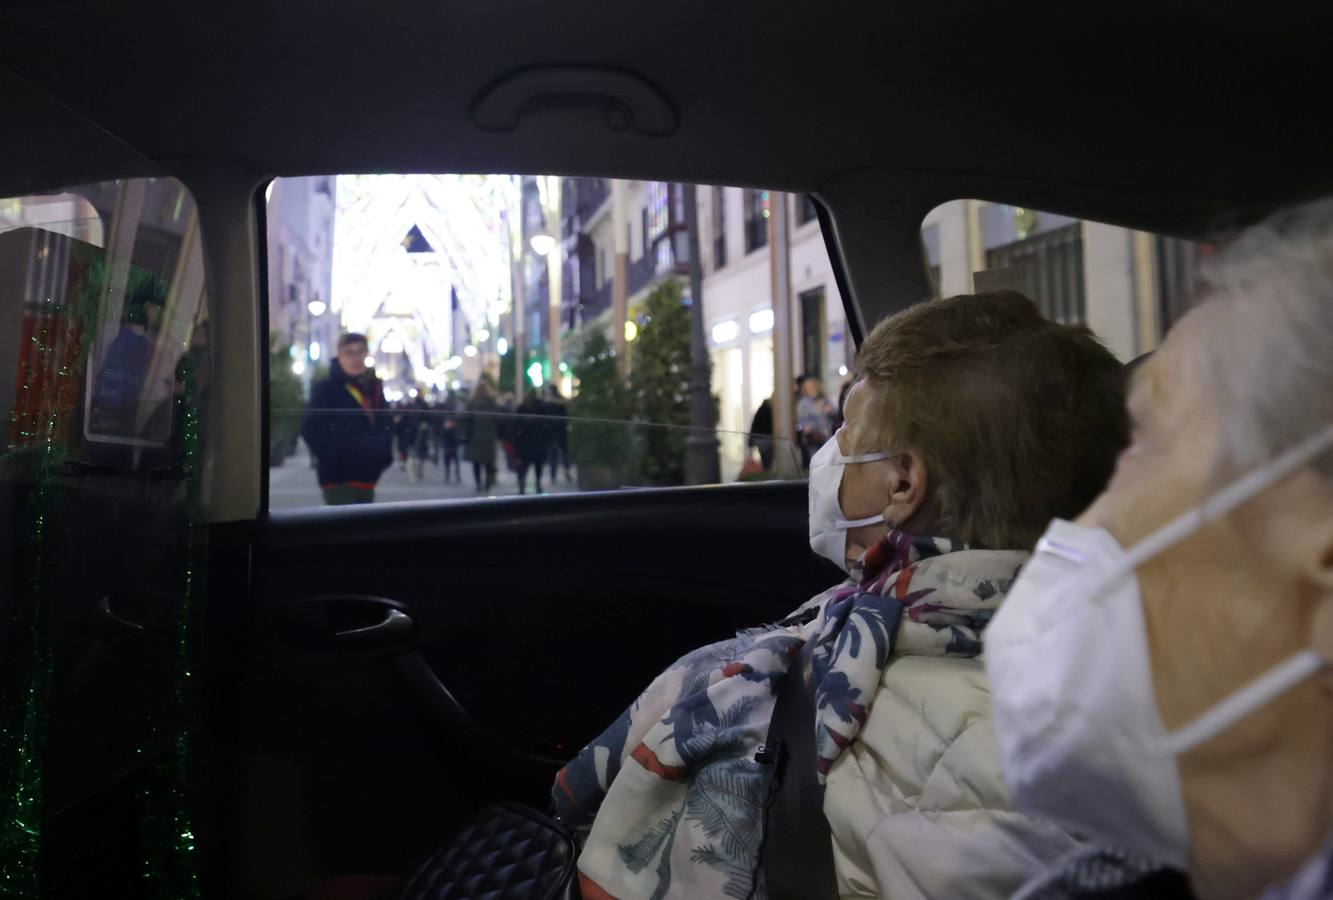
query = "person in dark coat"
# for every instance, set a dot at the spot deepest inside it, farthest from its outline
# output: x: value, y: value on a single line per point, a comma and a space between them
x: 447, y: 437
x: 532, y: 440
x: 482, y: 433
x: 348, y: 428
x: 417, y: 414
x: 402, y: 431
x: 557, y: 411
x: 761, y: 433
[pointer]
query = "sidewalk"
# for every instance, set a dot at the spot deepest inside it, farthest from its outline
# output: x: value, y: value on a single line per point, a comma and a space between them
x: 293, y: 485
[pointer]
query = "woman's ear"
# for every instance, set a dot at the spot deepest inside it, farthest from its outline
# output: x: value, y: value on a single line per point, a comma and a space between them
x: 1307, y: 545
x: 1319, y: 570
x: 908, y: 486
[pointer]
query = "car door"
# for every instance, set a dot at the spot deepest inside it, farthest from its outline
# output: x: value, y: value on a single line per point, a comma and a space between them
x: 408, y: 661
x: 103, y: 376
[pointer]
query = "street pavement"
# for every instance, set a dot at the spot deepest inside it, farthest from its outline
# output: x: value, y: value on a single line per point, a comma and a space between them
x: 293, y: 484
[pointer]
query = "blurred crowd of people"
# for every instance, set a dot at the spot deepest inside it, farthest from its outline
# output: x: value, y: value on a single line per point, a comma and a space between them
x: 479, y: 427
x: 355, y: 434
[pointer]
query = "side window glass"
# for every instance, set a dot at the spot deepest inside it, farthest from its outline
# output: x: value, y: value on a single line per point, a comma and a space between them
x: 449, y: 336
x: 104, y: 381
x: 107, y: 321
x: 1128, y: 286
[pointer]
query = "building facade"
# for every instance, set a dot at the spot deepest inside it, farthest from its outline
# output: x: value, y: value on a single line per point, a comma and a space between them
x: 1127, y: 286
x: 656, y: 240
x: 300, y: 272
x: 737, y: 284
x: 739, y: 312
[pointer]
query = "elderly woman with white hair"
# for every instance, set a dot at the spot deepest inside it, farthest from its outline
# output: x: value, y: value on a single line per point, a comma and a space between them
x: 1160, y: 672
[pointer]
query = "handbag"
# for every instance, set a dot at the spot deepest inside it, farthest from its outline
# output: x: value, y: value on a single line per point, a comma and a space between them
x: 751, y: 468
x: 507, y: 852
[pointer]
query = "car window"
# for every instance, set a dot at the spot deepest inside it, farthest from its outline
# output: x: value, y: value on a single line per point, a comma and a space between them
x: 104, y: 381
x: 1128, y: 286
x: 455, y: 336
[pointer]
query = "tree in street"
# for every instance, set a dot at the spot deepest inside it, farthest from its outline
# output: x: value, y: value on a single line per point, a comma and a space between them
x: 660, y: 384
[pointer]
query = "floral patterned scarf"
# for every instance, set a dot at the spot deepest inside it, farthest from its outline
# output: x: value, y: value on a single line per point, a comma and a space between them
x: 672, y: 790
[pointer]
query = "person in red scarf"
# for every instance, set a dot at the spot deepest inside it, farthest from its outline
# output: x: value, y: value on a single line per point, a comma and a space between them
x: 347, y: 428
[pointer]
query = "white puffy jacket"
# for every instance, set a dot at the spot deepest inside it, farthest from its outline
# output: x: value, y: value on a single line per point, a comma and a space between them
x: 917, y: 805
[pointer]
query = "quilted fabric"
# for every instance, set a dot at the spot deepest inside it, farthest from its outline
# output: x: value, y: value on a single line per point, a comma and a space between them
x: 507, y: 852
x: 917, y: 805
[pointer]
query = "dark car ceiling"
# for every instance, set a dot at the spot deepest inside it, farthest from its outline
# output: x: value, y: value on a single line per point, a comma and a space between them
x: 1200, y: 106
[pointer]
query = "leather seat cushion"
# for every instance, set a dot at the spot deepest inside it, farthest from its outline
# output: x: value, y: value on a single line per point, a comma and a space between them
x: 508, y: 852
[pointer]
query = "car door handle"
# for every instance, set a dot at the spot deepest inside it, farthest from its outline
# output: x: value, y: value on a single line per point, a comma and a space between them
x: 105, y: 610
x: 394, y: 627
x: 345, y: 622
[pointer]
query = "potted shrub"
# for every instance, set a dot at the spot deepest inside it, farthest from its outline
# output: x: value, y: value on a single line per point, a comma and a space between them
x: 600, y: 439
x: 660, y: 385
x: 285, y: 403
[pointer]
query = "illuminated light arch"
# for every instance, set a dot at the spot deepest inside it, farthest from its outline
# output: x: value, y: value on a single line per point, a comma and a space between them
x: 379, y: 286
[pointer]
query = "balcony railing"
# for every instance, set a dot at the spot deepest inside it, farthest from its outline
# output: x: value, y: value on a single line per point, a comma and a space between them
x: 592, y: 193
x: 1054, y: 264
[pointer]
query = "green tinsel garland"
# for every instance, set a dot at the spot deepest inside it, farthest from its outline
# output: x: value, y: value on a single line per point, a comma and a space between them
x: 166, y: 833
x: 29, y: 669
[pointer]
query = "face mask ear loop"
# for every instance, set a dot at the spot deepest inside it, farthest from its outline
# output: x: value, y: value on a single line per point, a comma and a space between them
x: 1219, y: 504
x: 1282, y: 677
x: 845, y: 524
x: 861, y: 458
x: 1267, y: 687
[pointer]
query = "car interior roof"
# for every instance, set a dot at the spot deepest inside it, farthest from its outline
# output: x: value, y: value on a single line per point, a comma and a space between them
x: 1164, y: 115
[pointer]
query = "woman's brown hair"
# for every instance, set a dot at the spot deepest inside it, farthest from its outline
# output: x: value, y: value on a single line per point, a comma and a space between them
x: 1019, y: 419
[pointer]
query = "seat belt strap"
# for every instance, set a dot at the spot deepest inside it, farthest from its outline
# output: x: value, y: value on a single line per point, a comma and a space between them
x: 798, y: 844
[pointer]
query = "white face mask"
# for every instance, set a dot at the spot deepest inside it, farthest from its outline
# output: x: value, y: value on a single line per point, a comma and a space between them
x: 828, y: 528
x: 1080, y: 737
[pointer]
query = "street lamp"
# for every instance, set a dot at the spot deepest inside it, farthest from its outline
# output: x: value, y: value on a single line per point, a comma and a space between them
x: 543, y: 242
x: 318, y: 308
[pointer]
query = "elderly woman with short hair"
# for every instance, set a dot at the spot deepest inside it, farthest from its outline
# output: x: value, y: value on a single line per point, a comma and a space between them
x: 1180, y: 709
x: 974, y: 422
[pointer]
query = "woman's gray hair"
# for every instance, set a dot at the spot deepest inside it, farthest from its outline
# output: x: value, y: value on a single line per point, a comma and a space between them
x: 1272, y: 363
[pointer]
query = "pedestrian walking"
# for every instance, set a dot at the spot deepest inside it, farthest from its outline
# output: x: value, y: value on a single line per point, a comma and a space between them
x: 532, y: 440
x: 761, y: 433
x: 505, y: 431
x: 417, y: 429
x: 348, y: 427
x: 482, y: 435
x: 557, y: 413
x: 447, y: 438
x: 814, y: 419
x: 402, y: 433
